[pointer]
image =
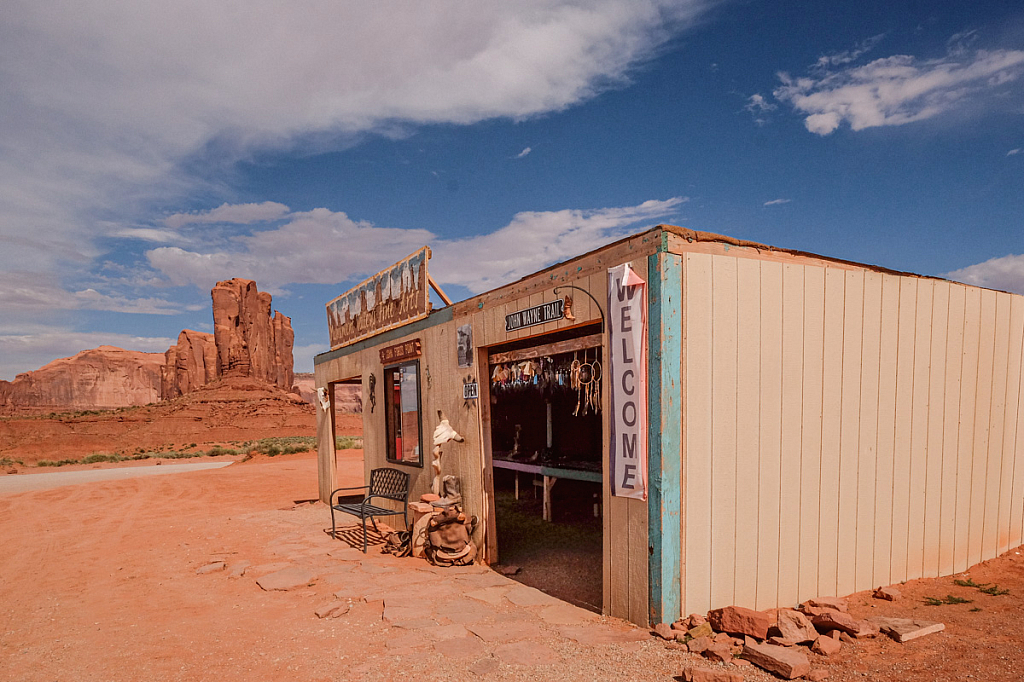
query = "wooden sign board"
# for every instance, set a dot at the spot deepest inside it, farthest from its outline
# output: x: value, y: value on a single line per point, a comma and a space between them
x: 538, y: 314
x: 391, y: 298
x: 470, y: 391
x: 406, y: 350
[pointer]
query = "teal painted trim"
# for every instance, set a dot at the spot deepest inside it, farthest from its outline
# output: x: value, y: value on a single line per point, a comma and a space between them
x: 437, y: 317
x: 664, y: 434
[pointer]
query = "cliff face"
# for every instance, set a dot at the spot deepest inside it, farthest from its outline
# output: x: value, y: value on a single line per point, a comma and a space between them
x: 246, y: 343
x: 251, y: 343
x: 98, y: 379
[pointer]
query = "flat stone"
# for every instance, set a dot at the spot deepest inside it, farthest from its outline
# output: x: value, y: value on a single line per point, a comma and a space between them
x: 367, y: 611
x: 238, y: 569
x: 906, y: 629
x: 263, y: 569
x: 711, y: 675
x: 483, y: 666
x: 397, y: 614
x: 346, y: 553
x: 565, y: 614
x: 826, y: 646
x: 786, y: 663
x: 375, y: 569
x: 817, y: 675
x: 603, y: 634
x: 718, y: 652
x: 287, y: 579
x: 781, y: 641
x: 460, y: 647
x: 406, y: 640
x: 450, y: 631
x: 333, y: 609
x: 482, y: 580
x: 526, y: 653
x: 521, y: 595
x: 738, y: 620
x: 464, y: 611
x: 211, y: 568
x: 491, y: 595
x: 887, y: 593
x: 504, y: 632
x: 795, y: 626
x: 509, y: 570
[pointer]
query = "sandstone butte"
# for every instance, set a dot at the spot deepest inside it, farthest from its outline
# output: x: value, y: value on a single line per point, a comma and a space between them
x: 247, y: 342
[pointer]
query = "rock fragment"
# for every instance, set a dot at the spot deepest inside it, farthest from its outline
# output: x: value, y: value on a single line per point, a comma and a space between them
x: 711, y: 675
x: 826, y: 646
x: 286, y: 579
x: 887, y: 593
x: 332, y: 610
x: 817, y: 675
x: 665, y: 631
x: 699, y: 644
x: 211, y: 568
x: 738, y: 620
x: 834, y: 603
x: 834, y: 620
x: 786, y: 663
x: 795, y: 626
x: 906, y: 629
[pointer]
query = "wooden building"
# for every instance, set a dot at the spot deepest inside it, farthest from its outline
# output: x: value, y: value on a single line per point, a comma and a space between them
x: 814, y: 426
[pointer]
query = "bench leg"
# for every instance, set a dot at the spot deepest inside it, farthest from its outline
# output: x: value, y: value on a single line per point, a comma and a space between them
x: 364, y: 532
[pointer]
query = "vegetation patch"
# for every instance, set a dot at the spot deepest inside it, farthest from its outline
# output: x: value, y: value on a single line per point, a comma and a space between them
x: 348, y: 442
x: 949, y: 599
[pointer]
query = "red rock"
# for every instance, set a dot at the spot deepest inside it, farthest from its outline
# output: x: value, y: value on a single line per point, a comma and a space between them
x: 726, y: 638
x: 845, y: 638
x: 711, y: 675
x: 740, y: 621
x: 834, y: 620
x: 826, y: 646
x: 699, y: 644
x: 716, y: 651
x: 247, y: 336
x: 786, y: 663
x: 795, y: 626
x: 189, y: 365
x: 332, y: 610
x: 834, y: 603
x: 103, y: 378
x: 905, y: 629
x: 887, y: 593
x: 693, y: 620
x: 664, y: 630
x: 211, y: 568
x: 286, y: 579
x: 702, y: 630
x: 817, y: 675
x: 781, y: 641
x: 812, y: 611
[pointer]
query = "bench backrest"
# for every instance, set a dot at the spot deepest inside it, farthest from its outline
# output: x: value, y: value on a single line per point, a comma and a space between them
x: 390, y: 483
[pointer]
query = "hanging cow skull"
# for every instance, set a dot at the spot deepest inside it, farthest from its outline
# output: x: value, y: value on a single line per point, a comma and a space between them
x: 444, y: 433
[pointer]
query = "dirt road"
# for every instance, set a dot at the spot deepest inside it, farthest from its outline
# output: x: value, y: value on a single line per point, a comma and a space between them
x: 99, y: 582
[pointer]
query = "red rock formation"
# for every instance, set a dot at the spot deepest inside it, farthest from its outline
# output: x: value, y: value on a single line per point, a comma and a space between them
x: 247, y: 337
x: 98, y: 379
x: 190, y: 364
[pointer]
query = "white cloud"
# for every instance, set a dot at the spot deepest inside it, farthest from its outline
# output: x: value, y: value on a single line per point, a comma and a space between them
x: 30, y: 294
x: 1014, y: 152
x: 20, y: 352
x: 241, y: 214
x: 1005, y: 273
x: 304, y: 355
x: 326, y: 247
x: 147, y: 234
x: 899, y: 89
x: 776, y: 202
x: 523, y: 153
x: 758, y: 106
x: 826, y: 62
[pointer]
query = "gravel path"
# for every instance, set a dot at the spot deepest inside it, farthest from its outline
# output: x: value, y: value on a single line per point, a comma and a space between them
x: 56, y: 479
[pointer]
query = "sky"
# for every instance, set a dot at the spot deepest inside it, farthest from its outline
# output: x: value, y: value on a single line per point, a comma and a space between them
x: 151, y: 149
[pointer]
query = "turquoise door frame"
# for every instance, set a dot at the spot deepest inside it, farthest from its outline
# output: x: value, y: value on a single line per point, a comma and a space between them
x: 664, y: 435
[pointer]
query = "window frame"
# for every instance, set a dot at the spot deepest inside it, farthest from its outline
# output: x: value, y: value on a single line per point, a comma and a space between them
x: 390, y: 451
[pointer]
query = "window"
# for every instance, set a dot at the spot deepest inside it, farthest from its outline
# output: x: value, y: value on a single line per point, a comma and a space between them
x: 402, y: 413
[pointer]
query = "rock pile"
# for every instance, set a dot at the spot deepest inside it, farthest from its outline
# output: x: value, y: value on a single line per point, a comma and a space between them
x: 779, y: 640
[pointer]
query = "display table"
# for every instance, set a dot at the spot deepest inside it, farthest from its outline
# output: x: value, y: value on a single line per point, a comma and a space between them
x: 550, y: 475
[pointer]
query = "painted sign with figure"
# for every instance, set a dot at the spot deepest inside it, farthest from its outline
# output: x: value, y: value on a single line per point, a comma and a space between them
x: 627, y: 325
x: 389, y: 299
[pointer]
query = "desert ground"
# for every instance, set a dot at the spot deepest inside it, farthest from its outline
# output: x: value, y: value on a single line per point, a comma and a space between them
x: 121, y: 580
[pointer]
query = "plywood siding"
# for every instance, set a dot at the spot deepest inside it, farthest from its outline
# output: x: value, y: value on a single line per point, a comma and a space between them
x: 845, y: 428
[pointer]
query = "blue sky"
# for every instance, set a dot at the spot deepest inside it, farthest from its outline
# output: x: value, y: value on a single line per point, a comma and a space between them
x: 148, y: 151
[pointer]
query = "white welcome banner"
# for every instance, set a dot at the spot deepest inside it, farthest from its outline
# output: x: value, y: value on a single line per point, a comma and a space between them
x: 627, y: 323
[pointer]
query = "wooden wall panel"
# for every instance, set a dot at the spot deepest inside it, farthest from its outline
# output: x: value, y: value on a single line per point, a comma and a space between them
x: 936, y: 424
x: 951, y: 425
x: 748, y: 427
x: 810, y: 444
x: 770, y: 481
x: 996, y: 417
x: 919, y: 430
x: 870, y: 361
x: 904, y: 410
x: 1013, y: 439
x: 831, y: 420
x: 982, y: 405
x: 697, y: 294
x: 724, y: 364
x: 888, y: 334
x: 849, y: 444
x: 965, y: 441
x: 790, y: 475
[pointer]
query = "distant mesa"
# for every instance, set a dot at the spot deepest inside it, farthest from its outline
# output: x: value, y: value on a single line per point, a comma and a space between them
x: 247, y: 343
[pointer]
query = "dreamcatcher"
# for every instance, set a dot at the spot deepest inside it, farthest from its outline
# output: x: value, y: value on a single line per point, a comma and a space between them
x: 585, y: 378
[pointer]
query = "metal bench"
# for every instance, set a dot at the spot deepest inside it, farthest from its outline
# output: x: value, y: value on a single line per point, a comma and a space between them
x: 387, y: 484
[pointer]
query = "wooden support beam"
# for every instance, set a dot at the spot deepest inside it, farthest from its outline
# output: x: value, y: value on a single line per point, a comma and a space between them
x: 567, y: 346
x: 438, y: 290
